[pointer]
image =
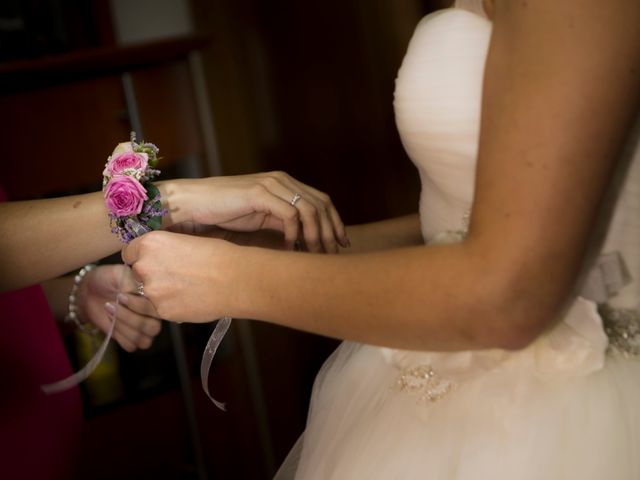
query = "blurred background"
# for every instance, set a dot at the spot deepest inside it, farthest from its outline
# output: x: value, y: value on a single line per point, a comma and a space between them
x: 223, y: 87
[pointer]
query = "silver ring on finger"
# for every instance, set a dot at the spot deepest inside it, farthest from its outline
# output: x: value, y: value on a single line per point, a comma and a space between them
x: 140, y: 289
x: 295, y: 198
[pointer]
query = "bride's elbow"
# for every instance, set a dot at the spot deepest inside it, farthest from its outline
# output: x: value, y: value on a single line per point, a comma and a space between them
x: 514, y: 336
x: 516, y: 315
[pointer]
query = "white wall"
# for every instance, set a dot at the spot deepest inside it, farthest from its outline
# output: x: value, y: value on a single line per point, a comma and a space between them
x: 136, y: 21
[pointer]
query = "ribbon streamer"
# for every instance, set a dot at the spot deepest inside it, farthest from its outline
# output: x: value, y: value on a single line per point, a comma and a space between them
x: 607, y: 277
x: 215, y: 339
x: 84, y: 372
x: 207, y: 357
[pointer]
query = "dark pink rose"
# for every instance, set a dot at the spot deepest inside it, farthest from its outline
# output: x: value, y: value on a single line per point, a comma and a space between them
x: 124, y: 196
x: 128, y: 160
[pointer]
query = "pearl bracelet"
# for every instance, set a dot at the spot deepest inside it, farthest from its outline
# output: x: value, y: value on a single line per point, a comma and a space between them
x: 72, y: 316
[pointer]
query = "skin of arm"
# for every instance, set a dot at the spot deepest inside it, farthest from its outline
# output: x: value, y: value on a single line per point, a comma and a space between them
x: 393, y: 233
x: 368, y: 237
x: 560, y: 92
x: 44, y: 239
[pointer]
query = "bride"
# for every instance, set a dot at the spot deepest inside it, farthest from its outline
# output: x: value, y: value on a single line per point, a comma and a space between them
x: 505, y: 346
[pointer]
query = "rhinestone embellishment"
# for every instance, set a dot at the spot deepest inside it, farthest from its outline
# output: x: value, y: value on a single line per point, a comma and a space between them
x: 423, y: 381
x: 622, y: 326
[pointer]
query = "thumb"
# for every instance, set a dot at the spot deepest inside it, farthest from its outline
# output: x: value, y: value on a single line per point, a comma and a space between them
x: 131, y: 252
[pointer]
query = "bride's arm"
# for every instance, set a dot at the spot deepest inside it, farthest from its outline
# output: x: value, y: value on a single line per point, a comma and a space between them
x: 560, y: 91
x: 385, y: 234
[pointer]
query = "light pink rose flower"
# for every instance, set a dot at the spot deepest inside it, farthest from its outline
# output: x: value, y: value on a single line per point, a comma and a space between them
x: 122, y: 147
x: 127, y: 160
x: 124, y: 196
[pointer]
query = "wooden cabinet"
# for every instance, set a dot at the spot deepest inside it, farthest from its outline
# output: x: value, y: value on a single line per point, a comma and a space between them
x: 60, y: 117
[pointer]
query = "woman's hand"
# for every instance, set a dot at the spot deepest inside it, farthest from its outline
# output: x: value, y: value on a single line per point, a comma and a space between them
x: 247, y: 203
x: 136, y: 325
x: 185, y: 277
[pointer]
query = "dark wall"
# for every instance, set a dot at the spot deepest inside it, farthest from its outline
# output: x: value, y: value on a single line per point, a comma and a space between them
x: 307, y: 87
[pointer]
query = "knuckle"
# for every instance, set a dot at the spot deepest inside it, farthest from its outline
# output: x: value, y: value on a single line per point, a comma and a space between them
x: 324, y: 198
x: 292, y: 214
x: 163, y: 311
x: 139, y: 269
x: 269, y: 181
x: 258, y: 190
x: 153, y: 328
x: 312, y: 213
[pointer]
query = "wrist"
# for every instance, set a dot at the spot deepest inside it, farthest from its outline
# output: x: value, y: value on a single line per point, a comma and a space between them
x: 236, y: 273
x: 134, y: 202
x: 173, y: 195
x: 253, y: 274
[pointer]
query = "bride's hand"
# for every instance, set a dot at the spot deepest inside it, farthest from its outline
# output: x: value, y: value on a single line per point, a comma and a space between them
x: 185, y: 277
x: 136, y: 326
x: 259, y: 201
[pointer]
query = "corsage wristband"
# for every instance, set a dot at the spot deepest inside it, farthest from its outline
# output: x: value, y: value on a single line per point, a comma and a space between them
x: 132, y: 200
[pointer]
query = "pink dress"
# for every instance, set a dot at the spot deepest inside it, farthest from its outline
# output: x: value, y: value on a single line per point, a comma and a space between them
x: 39, y: 433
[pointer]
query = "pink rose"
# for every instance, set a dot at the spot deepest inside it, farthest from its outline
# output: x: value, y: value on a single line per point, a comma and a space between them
x: 124, y: 196
x: 127, y: 160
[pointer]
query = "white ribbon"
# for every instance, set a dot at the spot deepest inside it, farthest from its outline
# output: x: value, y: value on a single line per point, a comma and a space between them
x: 207, y: 357
x: 606, y: 278
x: 84, y: 372
x: 215, y: 339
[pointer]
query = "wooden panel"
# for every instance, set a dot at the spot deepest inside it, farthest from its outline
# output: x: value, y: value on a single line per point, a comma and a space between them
x: 57, y: 139
x: 168, y: 114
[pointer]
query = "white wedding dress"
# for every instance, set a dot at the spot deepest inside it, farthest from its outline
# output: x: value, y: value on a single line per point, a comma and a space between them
x: 566, y: 407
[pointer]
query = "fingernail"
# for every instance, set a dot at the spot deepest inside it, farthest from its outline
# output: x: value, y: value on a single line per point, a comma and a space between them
x: 123, y: 299
x: 110, y: 307
x: 345, y: 242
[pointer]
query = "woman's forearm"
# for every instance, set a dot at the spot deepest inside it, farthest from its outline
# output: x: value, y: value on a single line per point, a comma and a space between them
x: 392, y: 233
x: 44, y: 239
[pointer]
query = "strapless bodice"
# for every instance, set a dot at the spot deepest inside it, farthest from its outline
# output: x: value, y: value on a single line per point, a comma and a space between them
x: 437, y: 106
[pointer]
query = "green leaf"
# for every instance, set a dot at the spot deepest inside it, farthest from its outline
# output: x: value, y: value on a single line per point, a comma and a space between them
x: 155, y: 223
x: 152, y: 190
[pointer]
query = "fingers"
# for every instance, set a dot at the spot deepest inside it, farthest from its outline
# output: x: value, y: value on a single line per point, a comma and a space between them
x: 333, y: 223
x: 141, y: 306
x: 132, y: 330
x: 322, y: 227
x: 269, y: 199
x: 130, y: 252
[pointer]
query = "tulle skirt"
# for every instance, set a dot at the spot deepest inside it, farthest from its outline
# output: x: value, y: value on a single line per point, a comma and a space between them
x: 566, y: 407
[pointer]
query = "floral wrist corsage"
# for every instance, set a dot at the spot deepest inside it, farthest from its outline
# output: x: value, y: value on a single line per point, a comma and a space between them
x: 132, y: 200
